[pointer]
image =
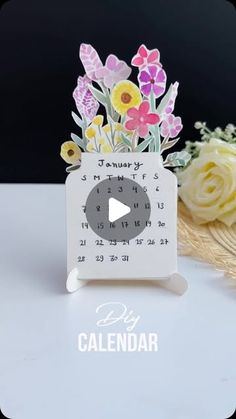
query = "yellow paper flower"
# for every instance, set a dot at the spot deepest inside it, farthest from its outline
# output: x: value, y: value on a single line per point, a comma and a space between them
x: 90, y: 133
x: 90, y: 147
x: 125, y: 95
x: 101, y: 141
x: 106, y: 148
x: 106, y: 128
x: 98, y: 120
x: 208, y: 185
x: 70, y: 152
x: 119, y: 127
x: 113, y: 134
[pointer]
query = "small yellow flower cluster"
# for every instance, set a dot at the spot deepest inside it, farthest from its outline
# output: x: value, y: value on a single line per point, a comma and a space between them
x: 103, y: 139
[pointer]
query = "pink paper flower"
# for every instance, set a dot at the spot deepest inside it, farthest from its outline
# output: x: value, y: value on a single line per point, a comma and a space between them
x: 152, y: 79
x: 113, y: 71
x: 140, y: 119
x: 171, y: 126
x: 169, y: 107
x: 86, y: 104
x: 145, y: 57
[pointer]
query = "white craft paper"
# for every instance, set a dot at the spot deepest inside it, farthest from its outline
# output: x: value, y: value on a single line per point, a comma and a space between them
x: 145, y: 261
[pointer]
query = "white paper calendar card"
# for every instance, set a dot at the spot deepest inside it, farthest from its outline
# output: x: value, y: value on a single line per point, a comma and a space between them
x: 121, y: 196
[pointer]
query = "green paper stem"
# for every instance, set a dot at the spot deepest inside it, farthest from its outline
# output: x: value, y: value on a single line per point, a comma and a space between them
x: 157, y: 139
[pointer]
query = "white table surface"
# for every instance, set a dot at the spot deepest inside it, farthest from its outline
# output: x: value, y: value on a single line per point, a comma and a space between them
x: 42, y: 374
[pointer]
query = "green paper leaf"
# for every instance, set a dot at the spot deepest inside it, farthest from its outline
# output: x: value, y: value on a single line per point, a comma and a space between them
x: 168, y: 144
x: 116, y: 116
x: 144, y: 144
x: 126, y: 140
x: 77, y: 140
x: 98, y: 95
x: 72, y: 167
x: 77, y: 120
x: 152, y: 146
x: 179, y: 158
x: 164, y: 100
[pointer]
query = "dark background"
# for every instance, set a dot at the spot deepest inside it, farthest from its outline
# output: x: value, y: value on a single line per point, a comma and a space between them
x: 40, y: 64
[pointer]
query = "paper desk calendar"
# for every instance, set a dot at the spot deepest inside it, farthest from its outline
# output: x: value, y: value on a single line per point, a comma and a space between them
x: 122, y: 203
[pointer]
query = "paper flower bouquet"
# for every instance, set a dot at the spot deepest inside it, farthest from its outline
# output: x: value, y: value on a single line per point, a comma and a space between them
x: 133, y: 120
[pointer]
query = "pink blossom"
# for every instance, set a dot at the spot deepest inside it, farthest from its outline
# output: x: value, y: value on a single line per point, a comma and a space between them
x: 171, y: 126
x: 152, y: 79
x: 86, y: 104
x: 145, y: 57
x: 140, y: 119
x: 114, y: 71
x: 169, y: 107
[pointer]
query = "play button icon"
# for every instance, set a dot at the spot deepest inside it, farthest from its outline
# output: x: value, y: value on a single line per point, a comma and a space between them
x: 117, y: 210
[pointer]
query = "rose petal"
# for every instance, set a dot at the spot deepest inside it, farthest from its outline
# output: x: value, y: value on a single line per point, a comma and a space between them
x: 146, y: 89
x: 178, y: 121
x: 143, y: 130
x: 144, y: 108
x: 153, y: 71
x: 111, y: 62
x: 164, y: 129
x: 110, y: 80
x: 144, y: 76
x: 161, y: 76
x: 152, y: 118
x: 173, y: 132
x: 131, y: 125
x: 124, y: 71
x: 158, y: 90
x: 137, y: 61
x: 154, y: 55
x: 133, y: 113
x: 143, y: 51
x: 170, y: 119
x: 101, y: 73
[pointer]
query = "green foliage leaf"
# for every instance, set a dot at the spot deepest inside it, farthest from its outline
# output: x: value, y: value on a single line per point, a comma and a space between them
x: 152, y: 146
x: 126, y: 140
x: 168, y: 144
x: 164, y: 100
x: 72, y: 168
x: 179, y: 158
x: 144, y: 144
x: 77, y: 140
x: 98, y: 95
x: 77, y: 120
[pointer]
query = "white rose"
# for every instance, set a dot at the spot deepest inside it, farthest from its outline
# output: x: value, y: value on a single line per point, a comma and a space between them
x: 208, y: 185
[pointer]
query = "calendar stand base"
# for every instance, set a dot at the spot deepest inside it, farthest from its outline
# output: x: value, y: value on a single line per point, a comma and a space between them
x: 175, y: 283
x: 74, y: 282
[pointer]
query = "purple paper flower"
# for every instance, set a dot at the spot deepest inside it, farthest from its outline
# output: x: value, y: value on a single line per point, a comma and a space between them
x: 86, y: 104
x: 171, y: 126
x: 90, y: 60
x: 114, y: 71
x: 152, y: 79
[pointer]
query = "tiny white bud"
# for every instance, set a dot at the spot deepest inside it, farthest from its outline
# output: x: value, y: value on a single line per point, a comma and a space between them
x: 198, y: 125
x: 230, y: 128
